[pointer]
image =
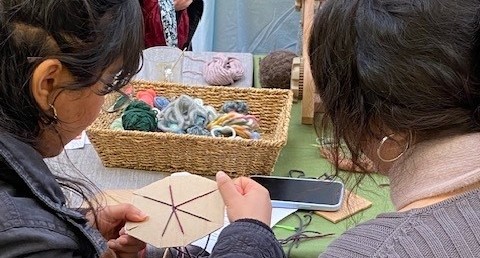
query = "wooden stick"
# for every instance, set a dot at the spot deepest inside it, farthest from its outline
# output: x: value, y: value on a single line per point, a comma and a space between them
x: 179, y: 57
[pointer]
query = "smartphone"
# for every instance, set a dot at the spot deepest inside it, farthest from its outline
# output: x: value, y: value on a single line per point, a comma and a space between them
x: 303, y: 193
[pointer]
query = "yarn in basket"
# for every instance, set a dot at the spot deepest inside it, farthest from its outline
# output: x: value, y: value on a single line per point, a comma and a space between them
x: 183, y: 113
x: 160, y: 102
x: 146, y: 96
x: 235, y: 124
x: 139, y: 116
x: 238, y: 106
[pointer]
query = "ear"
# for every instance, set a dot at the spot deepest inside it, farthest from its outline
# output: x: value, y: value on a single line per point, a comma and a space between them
x: 47, y: 77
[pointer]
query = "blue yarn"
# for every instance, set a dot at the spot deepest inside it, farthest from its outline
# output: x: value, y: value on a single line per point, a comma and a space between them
x: 174, y: 128
x: 185, y: 112
x: 218, y: 134
x: 238, y: 106
x: 197, y: 130
x: 160, y: 102
x: 255, y: 136
x: 200, y: 120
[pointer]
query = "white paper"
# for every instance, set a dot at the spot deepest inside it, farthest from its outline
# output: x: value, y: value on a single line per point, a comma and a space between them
x: 87, y: 141
x: 77, y: 143
x: 277, y: 215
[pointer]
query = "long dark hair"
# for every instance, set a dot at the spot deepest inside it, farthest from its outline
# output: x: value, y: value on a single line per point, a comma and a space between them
x: 86, y: 36
x: 397, y: 64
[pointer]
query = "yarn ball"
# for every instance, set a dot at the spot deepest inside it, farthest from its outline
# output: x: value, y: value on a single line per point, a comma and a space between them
x: 255, y: 136
x: 146, y: 96
x: 139, y: 116
x: 117, y: 124
x: 183, y: 113
x: 238, y: 106
x: 174, y: 128
x: 160, y: 102
x: 276, y: 69
x: 198, y: 130
x: 223, y: 70
x: 242, y: 125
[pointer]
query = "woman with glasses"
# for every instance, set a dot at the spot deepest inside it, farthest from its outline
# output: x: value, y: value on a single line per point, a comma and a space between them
x: 58, y: 59
x: 55, y: 57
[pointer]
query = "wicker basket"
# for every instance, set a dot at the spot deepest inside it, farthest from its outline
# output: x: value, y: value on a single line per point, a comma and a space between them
x: 168, y: 152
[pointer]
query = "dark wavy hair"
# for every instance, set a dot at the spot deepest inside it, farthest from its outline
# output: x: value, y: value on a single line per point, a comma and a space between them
x: 86, y: 36
x: 400, y: 65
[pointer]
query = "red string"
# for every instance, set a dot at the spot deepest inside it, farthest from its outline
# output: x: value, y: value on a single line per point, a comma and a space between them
x: 198, y: 197
x: 168, y: 222
x: 175, y: 209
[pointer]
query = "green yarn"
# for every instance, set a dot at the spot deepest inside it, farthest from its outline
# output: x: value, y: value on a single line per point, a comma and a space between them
x: 117, y: 124
x: 139, y: 116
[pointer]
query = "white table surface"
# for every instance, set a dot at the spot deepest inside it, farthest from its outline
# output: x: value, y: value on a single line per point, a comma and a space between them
x: 87, y: 162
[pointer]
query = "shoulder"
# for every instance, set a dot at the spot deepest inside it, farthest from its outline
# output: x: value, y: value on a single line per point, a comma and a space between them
x: 22, y: 211
x: 432, y: 231
x: 367, y: 238
x: 26, y: 227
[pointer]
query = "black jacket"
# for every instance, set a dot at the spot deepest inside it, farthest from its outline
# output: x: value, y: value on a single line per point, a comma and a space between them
x: 34, y: 220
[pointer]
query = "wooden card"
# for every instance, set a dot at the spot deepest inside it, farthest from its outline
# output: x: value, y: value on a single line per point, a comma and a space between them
x: 117, y: 196
x: 181, y: 209
x: 354, y: 205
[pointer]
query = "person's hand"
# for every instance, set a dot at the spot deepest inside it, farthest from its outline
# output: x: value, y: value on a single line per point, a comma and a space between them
x: 126, y: 246
x: 244, y: 198
x: 181, y: 4
x: 110, y: 222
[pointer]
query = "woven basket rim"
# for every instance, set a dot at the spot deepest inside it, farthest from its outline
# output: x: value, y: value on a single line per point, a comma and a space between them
x: 229, y: 88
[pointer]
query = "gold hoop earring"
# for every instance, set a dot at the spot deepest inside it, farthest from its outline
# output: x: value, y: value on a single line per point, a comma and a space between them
x: 55, y: 116
x: 379, y: 149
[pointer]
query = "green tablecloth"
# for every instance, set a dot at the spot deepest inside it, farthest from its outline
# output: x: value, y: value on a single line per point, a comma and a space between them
x: 300, y: 153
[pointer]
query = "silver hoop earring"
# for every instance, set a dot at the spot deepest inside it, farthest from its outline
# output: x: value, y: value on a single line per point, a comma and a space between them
x: 379, y: 149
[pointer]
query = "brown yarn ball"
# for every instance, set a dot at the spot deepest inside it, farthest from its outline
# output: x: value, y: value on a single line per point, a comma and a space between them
x: 276, y: 69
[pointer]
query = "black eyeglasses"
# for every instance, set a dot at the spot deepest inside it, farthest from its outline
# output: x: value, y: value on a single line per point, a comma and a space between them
x: 118, y: 85
x: 121, y: 102
x: 125, y: 93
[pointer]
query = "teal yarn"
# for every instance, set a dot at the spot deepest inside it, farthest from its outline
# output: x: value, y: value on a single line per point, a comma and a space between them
x: 238, y: 106
x: 117, y: 124
x: 174, y: 128
x: 185, y: 112
x: 139, y: 116
x: 160, y: 102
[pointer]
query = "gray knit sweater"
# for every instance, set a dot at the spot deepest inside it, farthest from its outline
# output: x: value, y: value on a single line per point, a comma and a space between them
x: 447, y: 229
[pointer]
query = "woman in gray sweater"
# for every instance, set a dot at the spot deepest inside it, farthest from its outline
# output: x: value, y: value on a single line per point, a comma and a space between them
x: 400, y: 83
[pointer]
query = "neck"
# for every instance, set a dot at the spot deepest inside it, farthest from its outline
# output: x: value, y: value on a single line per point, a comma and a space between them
x: 436, y: 170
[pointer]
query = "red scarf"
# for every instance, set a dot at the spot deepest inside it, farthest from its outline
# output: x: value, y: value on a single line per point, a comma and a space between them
x: 154, y: 35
